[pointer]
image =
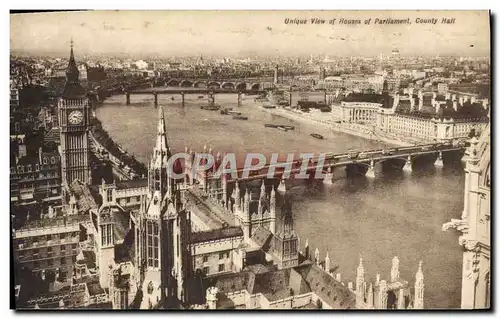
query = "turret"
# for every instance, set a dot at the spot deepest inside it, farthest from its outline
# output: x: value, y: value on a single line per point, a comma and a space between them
x: 401, y: 299
x: 395, y: 269
x: 418, y: 302
x: 236, y: 193
x: 360, y: 282
x: 382, y: 295
x: 327, y: 263
x: 107, y: 193
x: 272, y: 211
x: 160, y: 182
x: 262, y: 194
x: 369, y: 298
x: 224, y: 190
x: 212, y: 297
x: 246, y: 204
x: 306, y: 249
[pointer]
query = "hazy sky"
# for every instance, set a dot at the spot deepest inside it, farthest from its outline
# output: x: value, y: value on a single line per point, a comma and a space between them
x: 229, y: 33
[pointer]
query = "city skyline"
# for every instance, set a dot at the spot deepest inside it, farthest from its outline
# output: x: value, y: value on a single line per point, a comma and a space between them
x: 248, y: 33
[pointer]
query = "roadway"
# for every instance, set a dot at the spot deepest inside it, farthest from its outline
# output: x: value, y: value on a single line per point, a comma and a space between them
x: 355, y: 157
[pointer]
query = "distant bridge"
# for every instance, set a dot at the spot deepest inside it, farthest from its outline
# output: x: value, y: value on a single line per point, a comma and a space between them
x: 182, y: 91
x: 251, y: 83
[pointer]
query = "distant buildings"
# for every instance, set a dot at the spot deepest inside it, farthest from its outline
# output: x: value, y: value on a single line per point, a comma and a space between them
x: 442, y: 88
x: 353, y: 82
x: 35, y: 177
x: 14, y: 96
x: 428, y: 117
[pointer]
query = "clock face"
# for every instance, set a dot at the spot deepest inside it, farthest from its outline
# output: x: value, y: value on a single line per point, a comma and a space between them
x: 75, y: 117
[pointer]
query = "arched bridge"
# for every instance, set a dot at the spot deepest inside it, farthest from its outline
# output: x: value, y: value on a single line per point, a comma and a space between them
x: 354, y: 162
x: 182, y: 91
x: 239, y: 84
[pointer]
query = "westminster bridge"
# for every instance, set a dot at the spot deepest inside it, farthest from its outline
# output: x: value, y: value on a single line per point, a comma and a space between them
x: 355, y: 163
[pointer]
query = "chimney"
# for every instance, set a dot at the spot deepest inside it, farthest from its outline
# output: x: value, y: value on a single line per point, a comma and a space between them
x: 455, y: 105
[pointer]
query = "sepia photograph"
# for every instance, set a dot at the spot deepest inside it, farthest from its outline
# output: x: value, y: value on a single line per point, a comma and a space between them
x: 250, y: 160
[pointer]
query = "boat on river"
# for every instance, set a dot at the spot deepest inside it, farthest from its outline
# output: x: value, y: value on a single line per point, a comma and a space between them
x: 225, y: 111
x: 318, y: 136
x: 210, y: 107
x: 271, y: 125
x: 240, y: 117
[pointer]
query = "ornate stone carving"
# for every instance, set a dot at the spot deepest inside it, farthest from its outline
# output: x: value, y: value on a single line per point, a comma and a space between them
x: 458, y: 224
x: 471, y: 245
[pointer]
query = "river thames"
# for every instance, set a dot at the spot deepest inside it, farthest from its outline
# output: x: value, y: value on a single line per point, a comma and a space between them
x: 394, y: 214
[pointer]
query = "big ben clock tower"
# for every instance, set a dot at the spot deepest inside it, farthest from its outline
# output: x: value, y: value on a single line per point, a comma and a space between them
x: 74, y: 119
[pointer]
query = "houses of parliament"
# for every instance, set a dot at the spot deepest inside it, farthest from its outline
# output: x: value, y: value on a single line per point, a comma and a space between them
x: 160, y: 243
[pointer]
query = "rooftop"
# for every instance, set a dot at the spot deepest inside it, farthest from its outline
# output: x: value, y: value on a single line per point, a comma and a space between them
x: 364, y: 97
x: 220, y: 233
x: 203, y: 210
x: 279, y: 284
x: 134, y: 183
x: 84, y: 198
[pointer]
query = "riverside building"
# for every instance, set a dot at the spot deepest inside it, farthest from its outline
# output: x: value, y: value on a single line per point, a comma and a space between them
x: 425, y: 116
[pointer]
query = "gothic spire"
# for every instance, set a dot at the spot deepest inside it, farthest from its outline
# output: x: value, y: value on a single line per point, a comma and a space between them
x: 418, y: 302
x: 72, y: 73
x: 73, y: 89
x: 161, y: 135
x: 286, y: 212
x: 361, y: 270
x: 419, y: 277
